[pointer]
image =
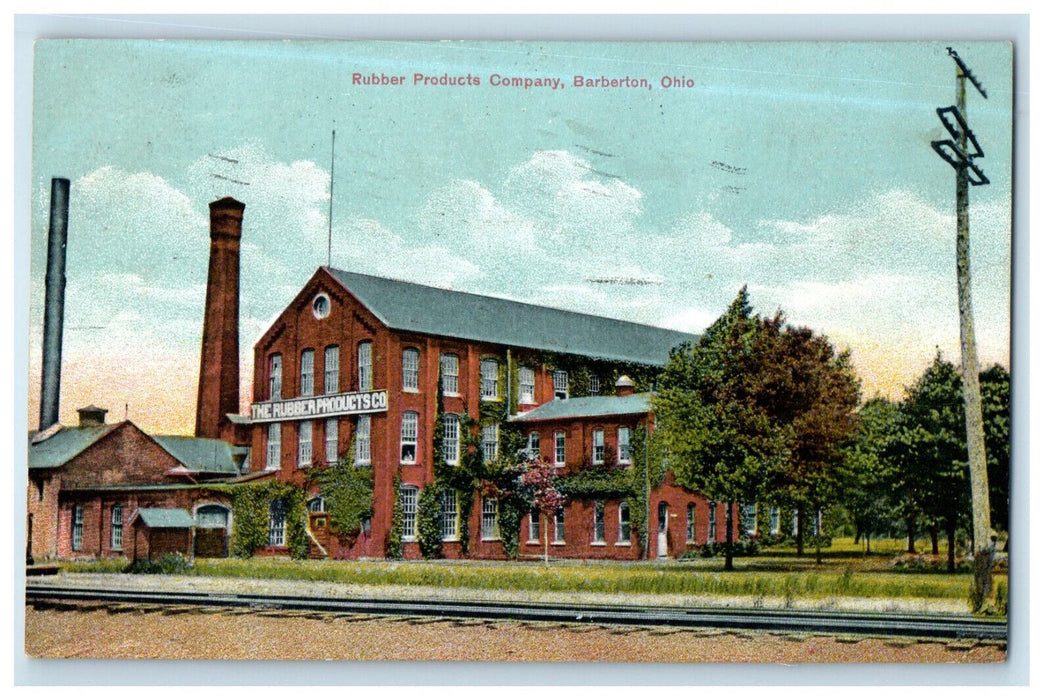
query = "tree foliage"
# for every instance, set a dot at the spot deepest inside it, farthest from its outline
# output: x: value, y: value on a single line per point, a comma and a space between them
x: 869, y: 475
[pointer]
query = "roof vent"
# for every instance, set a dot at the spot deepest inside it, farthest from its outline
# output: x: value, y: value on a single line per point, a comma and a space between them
x: 624, y: 386
x: 92, y: 415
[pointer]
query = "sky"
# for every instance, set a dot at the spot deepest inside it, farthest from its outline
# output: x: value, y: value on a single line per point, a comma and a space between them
x: 802, y: 170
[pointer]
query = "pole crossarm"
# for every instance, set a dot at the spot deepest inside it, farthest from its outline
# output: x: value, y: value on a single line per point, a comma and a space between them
x: 966, y: 71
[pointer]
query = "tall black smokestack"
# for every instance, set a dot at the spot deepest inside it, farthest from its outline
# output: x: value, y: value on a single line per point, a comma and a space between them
x: 54, y: 303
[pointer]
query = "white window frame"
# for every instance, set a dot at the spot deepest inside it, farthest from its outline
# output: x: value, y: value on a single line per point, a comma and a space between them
x: 623, y: 445
x: 409, y: 498
x: 451, y: 438
x: 560, y: 449
x: 317, y: 504
x: 526, y: 385
x: 450, y: 515
x: 624, y: 523
x: 598, y: 524
x: 365, y: 366
x: 116, y: 527
x: 775, y: 520
x: 275, y: 376
x: 410, y: 425
x: 450, y: 365
x: 595, y: 385
x: 410, y: 369
x: 598, y: 446
x: 560, y: 383
x: 306, y: 372
x: 77, y: 529
x: 750, y: 519
x: 273, y: 447
x: 332, y: 369
x: 277, y: 529
x: 490, y: 441
x: 711, y: 521
x: 363, y: 441
x: 332, y: 440
x: 691, y: 522
x: 534, y: 525
x: 533, y: 445
x: 490, y: 519
x: 305, y: 453
x: 558, y: 532
x: 490, y: 385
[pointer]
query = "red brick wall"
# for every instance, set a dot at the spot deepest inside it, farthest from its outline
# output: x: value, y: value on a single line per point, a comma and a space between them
x: 42, y: 506
x: 125, y: 455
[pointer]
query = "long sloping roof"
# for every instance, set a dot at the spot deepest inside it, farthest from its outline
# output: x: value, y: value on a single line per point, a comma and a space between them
x: 64, y: 445
x: 201, y: 454
x: 587, y: 407
x: 414, y: 307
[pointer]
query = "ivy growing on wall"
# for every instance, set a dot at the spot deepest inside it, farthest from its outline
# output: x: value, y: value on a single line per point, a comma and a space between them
x: 251, y: 506
x: 347, y: 490
x: 397, y: 525
x: 429, y: 521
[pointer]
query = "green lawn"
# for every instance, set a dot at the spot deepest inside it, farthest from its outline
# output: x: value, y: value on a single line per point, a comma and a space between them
x: 776, y: 575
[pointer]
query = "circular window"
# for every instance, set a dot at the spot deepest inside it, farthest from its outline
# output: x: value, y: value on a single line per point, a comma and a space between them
x: 322, y: 306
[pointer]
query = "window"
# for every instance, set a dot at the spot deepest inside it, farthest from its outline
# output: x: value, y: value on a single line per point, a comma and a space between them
x: 212, y: 517
x: 526, y: 385
x: 408, y: 437
x: 331, y: 440
x: 598, y: 447
x: 363, y: 441
x: 116, y: 527
x: 534, y: 525
x: 533, y: 446
x: 448, y: 514
x: 451, y: 438
x: 275, y: 377
x: 490, y: 441
x: 332, y: 369
x: 748, y: 518
x: 560, y: 526
x: 408, y: 509
x: 316, y: 504
x: 624, y: 523
x: 410, y: 369
x: 600, y: 523
x: 273, y: 446
x: 489, y: 527
x: 560, y: 378
x: 450, y: 375
x: 691, y: 522
x: 78, y: 528
x: 306, y: 443
x: 711, y: 522
x: 560, y: 449
x: 276, y: 530
x: 775, y: 521
x: 39, y: 483
x: 365, y: 367
x: 595, y: 385
x: 321, y: 306
x: 489, y: 381
x: 623, y: 445
x: 306, y: 373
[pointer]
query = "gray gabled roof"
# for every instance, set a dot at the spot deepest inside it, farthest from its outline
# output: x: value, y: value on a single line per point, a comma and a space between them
x: 165, y: 517
x: 201, y: 454
x: 587, y: 407
x: 64, y: 445
x: 414, y: 307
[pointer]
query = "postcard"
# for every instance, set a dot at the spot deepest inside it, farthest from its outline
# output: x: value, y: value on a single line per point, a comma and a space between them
x: 520, y: 351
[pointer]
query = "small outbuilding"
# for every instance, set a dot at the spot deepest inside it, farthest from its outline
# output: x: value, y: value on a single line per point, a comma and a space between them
x: 160, y: 531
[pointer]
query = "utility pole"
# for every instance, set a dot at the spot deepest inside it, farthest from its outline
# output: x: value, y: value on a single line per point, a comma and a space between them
x: 957, y: 152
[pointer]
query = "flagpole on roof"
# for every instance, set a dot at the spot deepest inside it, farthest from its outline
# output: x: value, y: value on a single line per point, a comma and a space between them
x: 331, y: 185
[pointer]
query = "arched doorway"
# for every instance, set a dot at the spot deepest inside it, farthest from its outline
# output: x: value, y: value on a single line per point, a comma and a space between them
x: 212, y: 533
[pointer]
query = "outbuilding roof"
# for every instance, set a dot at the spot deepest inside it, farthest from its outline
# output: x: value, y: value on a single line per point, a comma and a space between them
x: 64, y: 445
x: 587, y: 407
x: 415, y: 307
x: 201, y: 454
x: 165, y: 517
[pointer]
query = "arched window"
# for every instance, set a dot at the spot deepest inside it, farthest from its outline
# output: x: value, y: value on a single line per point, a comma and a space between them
x: 116, y: 528
x: 332, y: 369
x: 489, y: 380
x: 526, y: 385
x: 409, y: 499
x: 273, y: 446
x: 275, y: 376
x: 691, y: 522
x: 316, y: 504
x: 599, y: 529
x: 449, y: 519
x: 276, y: 530
x: 365, y: 366
x: 451, y: 438
x: 450, y: 375
x: 624, y: 523
x: 409, y: 421
x: 410, y: 369
x: 306, y: 373
x: 363, y: 441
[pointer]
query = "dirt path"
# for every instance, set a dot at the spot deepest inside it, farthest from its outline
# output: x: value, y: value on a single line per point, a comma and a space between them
x: 127, y: 631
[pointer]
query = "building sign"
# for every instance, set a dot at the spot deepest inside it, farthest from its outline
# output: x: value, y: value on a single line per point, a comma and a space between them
x: 325, y: 406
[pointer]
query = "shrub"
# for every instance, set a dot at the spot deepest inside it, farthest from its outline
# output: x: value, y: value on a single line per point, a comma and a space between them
x: 171, y: 563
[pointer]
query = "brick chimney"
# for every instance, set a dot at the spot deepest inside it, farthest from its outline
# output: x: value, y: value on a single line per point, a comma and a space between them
x: 218, y: 388
x: 624, y: 386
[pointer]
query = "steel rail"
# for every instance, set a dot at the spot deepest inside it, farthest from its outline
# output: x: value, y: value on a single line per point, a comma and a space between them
x: 793, y: 621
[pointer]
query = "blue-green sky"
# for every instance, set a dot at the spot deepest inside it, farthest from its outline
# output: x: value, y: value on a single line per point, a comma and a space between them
x: 802, y: 170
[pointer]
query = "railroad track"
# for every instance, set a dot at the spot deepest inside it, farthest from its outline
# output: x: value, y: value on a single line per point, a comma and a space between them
x: 793, y: 621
